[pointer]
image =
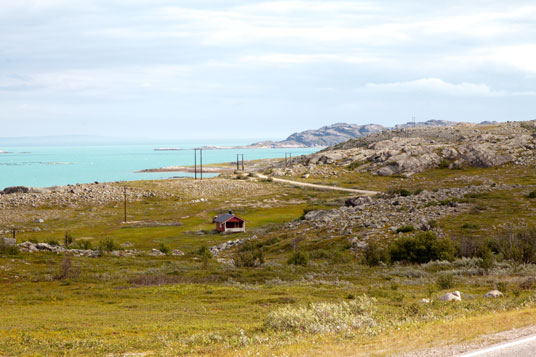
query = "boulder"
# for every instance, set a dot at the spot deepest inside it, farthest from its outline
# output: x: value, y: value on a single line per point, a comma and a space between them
x: 39, y: 220
x: 177, y: 252
x: 453, y: 296
x: 493, y: 294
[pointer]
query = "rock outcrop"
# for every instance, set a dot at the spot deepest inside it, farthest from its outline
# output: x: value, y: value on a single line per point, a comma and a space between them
x: 325, y: 136
x: 405, y: 152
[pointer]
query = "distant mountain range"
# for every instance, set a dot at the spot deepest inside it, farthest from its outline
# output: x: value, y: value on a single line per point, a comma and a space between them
x: 339, y: 133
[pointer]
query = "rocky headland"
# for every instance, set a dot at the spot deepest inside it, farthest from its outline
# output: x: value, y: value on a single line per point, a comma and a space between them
x: 408, y: 151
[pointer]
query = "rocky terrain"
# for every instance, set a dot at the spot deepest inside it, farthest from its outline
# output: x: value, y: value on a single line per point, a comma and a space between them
x: 412, y: 150
x: 365, y: 218
x: 71, y: 195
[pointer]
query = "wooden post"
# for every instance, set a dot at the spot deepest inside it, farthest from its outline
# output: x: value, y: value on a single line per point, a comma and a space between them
x: 125, y: 203
x: 237, y: 166
x: 195, y: 164
x: 201, y: 162
x: 242, y: 162
x: 14, y: 233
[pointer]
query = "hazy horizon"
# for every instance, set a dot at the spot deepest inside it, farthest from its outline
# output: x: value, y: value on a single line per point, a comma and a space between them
x: 260, y: 69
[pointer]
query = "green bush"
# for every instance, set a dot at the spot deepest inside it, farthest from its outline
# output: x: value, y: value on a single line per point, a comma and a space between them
x: 445, y: 281
x: 373, y: 255
x: 298, y: 258
x: 8, y: 249
x: 319, y: 254
x: 82, y: 244
x: 249, y: 258
x: 205, y: 254
x: 164, y: 249
x: 107, y: 245
x: 53, y: 243
x: 403, y: 192
x: 518, y: 245
x: 405, y: 229
x: 68, y: 239
x: 487, y: 258
x: 421, y: 248
x: 532, y: 194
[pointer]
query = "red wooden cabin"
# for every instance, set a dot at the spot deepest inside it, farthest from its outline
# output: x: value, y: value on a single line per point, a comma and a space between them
x: 229, y: 223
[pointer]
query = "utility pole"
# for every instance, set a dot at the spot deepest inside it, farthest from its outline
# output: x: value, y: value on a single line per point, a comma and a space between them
x: 289, y: 156
x: 125, y: 203
x: 201, y: 162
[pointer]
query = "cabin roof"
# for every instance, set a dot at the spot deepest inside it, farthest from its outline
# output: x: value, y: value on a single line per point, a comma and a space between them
x: 225, y: 217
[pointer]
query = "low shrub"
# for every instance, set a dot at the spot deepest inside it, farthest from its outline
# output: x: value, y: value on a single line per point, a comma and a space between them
x: 298, y: 258
x: 421, y: 248
x: 357, y: 314
x: 487, y: 259
x: 107, y: 245
x: 528, y: 284
x: 8, y: 249
x: 53, y: 242
x: 205, y: 254
x: 249, y: 258
x: 67, y: 270
x: 83, y: 244
x: 373, y: 255
x: 164, y: 249
x: 405, y: 229
x: 403, y: 192
x: 445, y: 281
x: 68, y: 239
x: 319, y: 254
x: 532, y: 195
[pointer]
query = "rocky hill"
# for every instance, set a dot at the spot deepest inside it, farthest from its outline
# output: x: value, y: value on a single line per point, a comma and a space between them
x: 408, y: 151
x: 325, y: 136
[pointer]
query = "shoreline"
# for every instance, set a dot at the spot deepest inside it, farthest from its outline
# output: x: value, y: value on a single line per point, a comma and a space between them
x: 188, y: 169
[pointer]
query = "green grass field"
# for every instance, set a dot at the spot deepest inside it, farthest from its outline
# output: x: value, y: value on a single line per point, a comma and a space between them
x: 173, y: 305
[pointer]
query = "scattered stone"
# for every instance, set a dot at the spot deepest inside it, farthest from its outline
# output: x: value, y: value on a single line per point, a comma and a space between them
x: 39, y: 220
x: 230, y: 244
x: 493, y: 294
x: 156, y: 252
x: 177, y: 252
x: 37, y: 229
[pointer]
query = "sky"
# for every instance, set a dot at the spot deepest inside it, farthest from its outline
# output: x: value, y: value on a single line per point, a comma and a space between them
x: 260, y: 69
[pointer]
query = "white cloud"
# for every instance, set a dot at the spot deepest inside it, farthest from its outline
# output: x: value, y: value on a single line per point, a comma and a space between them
x: 288, y: 58
x: 522, y: 57
x: 438, y: 86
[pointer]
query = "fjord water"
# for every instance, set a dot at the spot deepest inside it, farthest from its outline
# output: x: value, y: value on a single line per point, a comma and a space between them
x: 45, y: 166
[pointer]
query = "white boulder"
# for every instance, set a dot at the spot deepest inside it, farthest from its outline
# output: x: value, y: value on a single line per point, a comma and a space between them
x: 453, y: 296
x: 493, y: 294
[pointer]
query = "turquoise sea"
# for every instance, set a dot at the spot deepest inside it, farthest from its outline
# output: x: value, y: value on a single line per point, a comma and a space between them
x: 45, y: 166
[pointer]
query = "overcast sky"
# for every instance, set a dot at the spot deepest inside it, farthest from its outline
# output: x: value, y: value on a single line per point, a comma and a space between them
x: 260, y: 69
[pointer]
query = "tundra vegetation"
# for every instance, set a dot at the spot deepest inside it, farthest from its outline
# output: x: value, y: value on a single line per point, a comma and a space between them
x: 317, y: 272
